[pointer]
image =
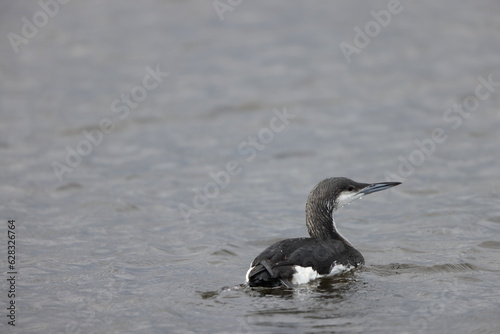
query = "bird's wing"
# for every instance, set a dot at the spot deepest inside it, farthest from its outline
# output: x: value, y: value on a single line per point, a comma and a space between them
x: 320, y: 256
x: 276, y: 263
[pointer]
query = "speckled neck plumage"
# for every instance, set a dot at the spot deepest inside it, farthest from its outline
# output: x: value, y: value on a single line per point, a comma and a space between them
x: 319, y: 220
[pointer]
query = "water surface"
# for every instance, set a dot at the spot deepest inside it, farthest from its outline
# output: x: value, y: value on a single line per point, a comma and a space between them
x: 107, y: 250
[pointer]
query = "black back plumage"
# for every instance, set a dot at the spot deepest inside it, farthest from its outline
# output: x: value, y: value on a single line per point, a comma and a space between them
x: 275, y: 265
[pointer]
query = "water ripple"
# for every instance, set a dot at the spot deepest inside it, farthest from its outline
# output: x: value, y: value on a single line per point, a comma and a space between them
x: 403, y: 268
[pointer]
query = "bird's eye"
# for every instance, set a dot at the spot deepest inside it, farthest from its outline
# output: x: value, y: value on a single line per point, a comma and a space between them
x: 350, y: 188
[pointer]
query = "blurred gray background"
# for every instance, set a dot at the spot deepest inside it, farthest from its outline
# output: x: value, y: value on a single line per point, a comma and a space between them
x: 119, y: 121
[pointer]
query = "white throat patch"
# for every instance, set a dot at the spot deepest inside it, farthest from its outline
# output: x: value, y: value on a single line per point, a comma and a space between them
x: 346, y: 198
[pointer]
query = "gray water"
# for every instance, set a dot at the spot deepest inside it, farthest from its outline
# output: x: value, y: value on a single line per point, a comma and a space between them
x: 102, y: 245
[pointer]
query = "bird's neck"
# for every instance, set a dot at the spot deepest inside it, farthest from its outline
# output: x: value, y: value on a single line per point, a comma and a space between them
x: 320, y: 222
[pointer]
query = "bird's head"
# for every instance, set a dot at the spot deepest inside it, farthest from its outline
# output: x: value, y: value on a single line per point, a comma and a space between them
x: 336, y: 192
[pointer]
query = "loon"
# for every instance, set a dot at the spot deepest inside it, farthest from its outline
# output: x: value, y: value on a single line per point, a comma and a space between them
x: 326, y: 253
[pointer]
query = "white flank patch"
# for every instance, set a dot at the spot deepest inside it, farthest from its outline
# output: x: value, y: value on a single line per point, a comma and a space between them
x: 307, y: 274
x: 304, y: 274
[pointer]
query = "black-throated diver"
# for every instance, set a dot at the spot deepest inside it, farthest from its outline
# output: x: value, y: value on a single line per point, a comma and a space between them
x: 326, y: 252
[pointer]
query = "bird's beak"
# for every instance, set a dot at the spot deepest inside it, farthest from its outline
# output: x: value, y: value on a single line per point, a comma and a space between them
x: 374, y: 187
